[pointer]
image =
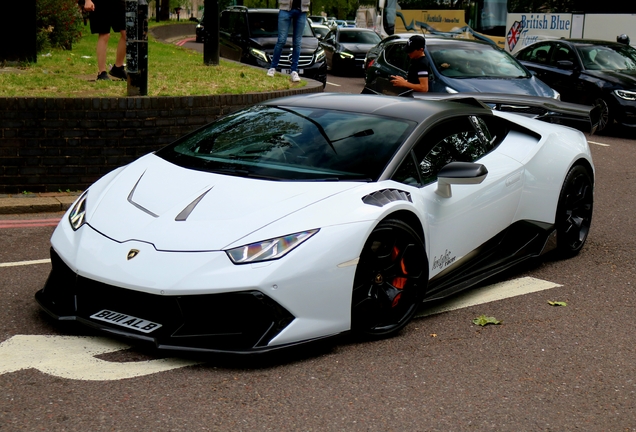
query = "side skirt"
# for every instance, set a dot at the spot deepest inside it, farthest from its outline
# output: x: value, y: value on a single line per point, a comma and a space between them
x: 521, y: 241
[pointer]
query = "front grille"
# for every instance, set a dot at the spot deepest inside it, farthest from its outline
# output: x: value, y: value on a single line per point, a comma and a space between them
x: 240, y: 321
x: 305, y: 60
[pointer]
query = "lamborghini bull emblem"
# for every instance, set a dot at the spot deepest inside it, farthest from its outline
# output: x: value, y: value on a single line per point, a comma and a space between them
x: 132, y: 253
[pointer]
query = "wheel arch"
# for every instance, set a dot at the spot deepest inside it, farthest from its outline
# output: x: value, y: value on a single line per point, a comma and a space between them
x: 585, y: 164
x: 410, y: 219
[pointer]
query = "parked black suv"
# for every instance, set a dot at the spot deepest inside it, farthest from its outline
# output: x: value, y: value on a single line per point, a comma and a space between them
x: 249, y: 36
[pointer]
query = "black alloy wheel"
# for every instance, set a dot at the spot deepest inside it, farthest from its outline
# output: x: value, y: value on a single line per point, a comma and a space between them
x: 574, y: 211
x: 605, y: 119
x: 390, y: 280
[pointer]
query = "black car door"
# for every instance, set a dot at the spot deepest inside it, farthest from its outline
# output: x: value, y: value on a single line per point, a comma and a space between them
x: 563, y: 72
x: 391, y: 61
x: 328, y: 43
x: 233, y: 35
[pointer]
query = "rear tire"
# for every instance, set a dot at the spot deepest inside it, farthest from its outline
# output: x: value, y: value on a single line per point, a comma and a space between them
x: 390, y: 280
x: 574, y: 211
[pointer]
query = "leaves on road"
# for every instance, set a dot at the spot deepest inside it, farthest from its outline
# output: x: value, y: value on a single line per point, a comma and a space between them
x: 557, y: 303
x: 483, y: 320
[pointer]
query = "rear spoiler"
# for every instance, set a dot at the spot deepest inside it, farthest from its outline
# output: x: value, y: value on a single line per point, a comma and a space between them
x: 582, y: 117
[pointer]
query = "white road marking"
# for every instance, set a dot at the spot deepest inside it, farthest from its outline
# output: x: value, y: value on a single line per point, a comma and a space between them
x: 73, y: 357
x: 599, y: 144
x: 491, y: 293
x: 337, y: 85
x: 23, y: 263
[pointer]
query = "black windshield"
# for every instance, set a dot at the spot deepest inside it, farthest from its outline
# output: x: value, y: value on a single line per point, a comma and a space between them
x: 282, y: 143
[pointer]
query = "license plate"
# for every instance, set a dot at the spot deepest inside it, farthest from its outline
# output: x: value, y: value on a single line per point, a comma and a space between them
x: 127, y: 321
x: 288, y: 71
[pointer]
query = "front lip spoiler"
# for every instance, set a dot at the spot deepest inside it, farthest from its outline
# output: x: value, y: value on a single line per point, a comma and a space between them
x: 148, y: 340
x: 582, y: 117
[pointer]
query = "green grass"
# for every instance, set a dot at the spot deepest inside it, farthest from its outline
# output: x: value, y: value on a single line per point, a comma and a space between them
x: 172, y: 71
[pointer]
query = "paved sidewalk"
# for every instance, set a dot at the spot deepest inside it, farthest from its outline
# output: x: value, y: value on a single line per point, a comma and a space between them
x: 48, y: 202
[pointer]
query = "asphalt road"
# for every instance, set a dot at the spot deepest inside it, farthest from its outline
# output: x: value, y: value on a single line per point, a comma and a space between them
x: 544, y: 368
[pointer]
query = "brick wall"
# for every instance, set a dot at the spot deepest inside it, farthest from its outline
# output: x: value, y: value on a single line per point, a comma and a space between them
x: 53, y: 144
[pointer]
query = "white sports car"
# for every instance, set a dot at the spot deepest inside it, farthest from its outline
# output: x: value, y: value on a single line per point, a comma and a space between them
x: 305, y: 217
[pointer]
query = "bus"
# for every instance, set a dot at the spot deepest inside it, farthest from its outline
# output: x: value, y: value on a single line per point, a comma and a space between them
x: 474, y: 19
x: 509, y: 24
x: 529, y: 21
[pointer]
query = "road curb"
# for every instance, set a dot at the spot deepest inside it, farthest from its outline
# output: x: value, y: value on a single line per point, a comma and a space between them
x: 35, y: 203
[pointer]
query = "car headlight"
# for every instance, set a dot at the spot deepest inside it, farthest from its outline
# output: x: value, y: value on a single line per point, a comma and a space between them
x: 268, y: 249
x: 320, y: 55
x: 346, y: 55
x: 625, y: 94
x: 450, y: 90
x: 259, y: 54
x: 77, y: 215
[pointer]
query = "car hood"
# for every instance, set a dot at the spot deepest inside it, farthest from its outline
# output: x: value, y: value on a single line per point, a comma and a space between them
x: 521, y: 86
x: 178, y: 209
x: 267, y: 44
x: 623, y: 79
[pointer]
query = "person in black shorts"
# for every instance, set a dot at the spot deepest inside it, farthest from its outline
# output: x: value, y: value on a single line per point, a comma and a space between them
x: 104, y: 15
x: 417, y: 77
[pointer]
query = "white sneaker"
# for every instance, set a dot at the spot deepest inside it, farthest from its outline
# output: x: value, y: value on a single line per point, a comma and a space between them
x: 271, y: 72
x: 295, y: 77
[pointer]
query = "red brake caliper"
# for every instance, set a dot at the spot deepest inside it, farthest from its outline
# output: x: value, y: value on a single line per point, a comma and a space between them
x: 398, y: 282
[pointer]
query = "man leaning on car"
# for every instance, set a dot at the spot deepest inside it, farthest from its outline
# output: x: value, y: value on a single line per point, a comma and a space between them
x: 417, y: 78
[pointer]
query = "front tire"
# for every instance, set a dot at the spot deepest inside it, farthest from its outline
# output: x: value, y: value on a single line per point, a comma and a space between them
x: 574, y: 211
x: 605, y: 119
x: 390, y: 280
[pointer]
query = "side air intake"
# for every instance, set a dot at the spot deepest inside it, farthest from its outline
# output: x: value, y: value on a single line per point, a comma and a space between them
x: 386, y: 196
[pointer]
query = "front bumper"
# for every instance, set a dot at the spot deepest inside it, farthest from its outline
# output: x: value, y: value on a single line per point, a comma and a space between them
x: 625, y: 112
x: 227, y: 322
x: 202, y: 301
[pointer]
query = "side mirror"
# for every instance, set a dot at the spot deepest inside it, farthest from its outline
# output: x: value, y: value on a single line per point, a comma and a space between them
x: 565, y: 64
x: 459, y: 173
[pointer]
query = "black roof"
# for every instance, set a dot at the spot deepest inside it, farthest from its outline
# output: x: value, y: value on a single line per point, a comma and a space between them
x: 389, y: 106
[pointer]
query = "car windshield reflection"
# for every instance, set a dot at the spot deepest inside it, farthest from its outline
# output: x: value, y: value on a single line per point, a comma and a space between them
x: 476, y: 62
x: 598, y: 57
x: 282, y: 143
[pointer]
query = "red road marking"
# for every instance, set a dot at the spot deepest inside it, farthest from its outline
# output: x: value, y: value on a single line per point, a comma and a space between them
x: 29, y: 223
x: 183, y: 41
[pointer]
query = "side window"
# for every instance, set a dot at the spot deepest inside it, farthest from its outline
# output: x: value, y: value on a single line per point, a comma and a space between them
x: 464, y: 139
x: 241, y: 26
x: 538, y: 54
x: 224, y: 23
x: 395, y: 56
x: 562, y: 52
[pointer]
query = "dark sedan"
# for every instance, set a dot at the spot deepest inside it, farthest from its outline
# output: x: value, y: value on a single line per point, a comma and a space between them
x: 456, y: 66
x: 588, y: 72
x: 346, y: 48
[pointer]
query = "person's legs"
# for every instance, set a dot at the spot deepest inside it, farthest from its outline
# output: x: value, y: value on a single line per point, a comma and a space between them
x: 284, y: 20
x: 298, y: 20
x: 102, y: 45
x: 118, y: 70
x: 121, y: 49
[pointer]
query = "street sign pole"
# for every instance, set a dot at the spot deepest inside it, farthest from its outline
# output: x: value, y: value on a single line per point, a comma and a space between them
x: 137, y: 47
x: 211, y: 32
